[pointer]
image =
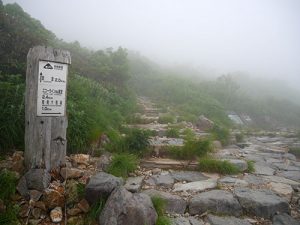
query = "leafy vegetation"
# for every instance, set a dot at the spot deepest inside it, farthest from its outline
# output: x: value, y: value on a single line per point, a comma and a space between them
x: 239, y: 137
x: 217, y: 166
x: 122, y: 164
x: 166, y: 118
x: 160, y: 207
x: 250, y: 168
x: 95, y: 211
x: 191, y: 149
x: 172, y: 133
x: 221, y: 134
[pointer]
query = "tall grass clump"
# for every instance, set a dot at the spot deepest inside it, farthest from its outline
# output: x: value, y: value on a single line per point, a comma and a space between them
x: 12, y: 88
x: 166, y: 118
x: 217, y: 166
x: 8, y: 182
x: 172, y: 133
x: 92, y: 110
x: 192, y: 149
x: 122, y: 164
x: 160, y: 207
x: 221, y: 133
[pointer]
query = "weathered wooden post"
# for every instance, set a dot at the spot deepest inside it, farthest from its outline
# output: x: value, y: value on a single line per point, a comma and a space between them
x: 45, y: 107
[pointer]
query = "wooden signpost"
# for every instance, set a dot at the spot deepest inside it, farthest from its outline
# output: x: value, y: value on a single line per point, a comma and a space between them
x: 45, y: 107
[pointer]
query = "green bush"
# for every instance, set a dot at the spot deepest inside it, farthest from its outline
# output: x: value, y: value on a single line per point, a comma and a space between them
x: 122, y: 164
x: 95, y: 211
x: 137, y: 141
x: 221, y: 133
x: 172, y: 133
x: 250, y: 168
x: 7, y: 185
x: 167, y: 118
x: 217, y: 166
x: 191, y: 149
x: 239, y: 137
x: 163, y: 220
x: 12, y: 115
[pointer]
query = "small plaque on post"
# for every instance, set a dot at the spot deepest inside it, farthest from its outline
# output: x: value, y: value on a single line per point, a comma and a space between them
x: 52, y: 84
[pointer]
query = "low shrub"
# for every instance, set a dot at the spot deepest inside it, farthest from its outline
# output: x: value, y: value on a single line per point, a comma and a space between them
x: 137, y: 141
x: 122, y: 164
x: 239, y: 137
x: 166, y: 118
x: 250, y: 168
x: 172, y: 133
x: 217, y: 166
x: 95, y: 211
x: 221, y: 133
x: 191, y: 149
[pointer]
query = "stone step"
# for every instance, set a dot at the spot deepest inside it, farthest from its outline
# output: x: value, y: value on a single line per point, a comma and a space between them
x: 164, y: 163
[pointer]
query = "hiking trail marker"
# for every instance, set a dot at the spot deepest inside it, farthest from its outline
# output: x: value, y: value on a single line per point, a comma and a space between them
x: 45, y: 107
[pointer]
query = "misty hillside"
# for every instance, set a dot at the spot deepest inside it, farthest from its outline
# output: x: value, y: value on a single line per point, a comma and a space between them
x: 118, y: 78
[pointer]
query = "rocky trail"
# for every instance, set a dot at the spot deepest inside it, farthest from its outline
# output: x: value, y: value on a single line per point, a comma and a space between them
x: 269, y: 195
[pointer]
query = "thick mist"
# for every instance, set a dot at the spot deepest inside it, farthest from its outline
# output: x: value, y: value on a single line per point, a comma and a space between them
x: 259, y: 37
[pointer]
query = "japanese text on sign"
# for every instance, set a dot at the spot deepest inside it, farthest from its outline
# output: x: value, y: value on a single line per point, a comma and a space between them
x: 52, y: 81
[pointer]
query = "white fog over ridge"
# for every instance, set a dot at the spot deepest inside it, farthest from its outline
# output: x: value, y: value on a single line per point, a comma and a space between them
x: 260, y: 38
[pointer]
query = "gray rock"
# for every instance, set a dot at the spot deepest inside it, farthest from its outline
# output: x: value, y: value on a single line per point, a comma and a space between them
x: 293, y: 175
x: 37, y: 179
x: 217, y: 220
x: 134, y: 184
x: 194, y: 221
x: 278, y: 179
x: 233, y: 181
x: 180, y: 221
x: 285, y: 167
x: 174, y: 203
x: 196, y: 186
x: 216, y: 201
x: 22, y: 188
x: 160, y: 180
x: 284, y: 219
x: 240, y: 164
x: 189, y: 176
x: 123, y: 207
x: 262, y: 203
x: 263, y: 170
x: 290, y: 156
x: 254, y: 180
x: 101, y: 185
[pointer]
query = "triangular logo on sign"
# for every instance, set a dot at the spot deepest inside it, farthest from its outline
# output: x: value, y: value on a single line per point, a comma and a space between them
x: 48, y: 66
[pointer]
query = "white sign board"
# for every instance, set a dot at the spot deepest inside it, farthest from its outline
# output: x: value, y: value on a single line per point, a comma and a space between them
x: 52, y: 84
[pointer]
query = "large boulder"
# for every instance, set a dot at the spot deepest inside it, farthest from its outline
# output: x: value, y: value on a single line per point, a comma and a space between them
x: 125, y: 208
x: 230, y: 220
x: 100, y: 186
x: 37, y: 179
x: 284, y: 219
x: 204, y: 123
x: 262, y: 203
x: 216, y: 201
x: 174, y: 203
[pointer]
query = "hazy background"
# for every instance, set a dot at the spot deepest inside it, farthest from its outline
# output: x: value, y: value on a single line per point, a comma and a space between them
x: 260, y: 37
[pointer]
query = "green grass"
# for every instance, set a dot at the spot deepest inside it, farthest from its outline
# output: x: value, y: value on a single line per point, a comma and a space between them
x: 221, y: 133
x: 250, y: 168
x: 122, y: 164
x: 167, y: 118
x: 217, y: 166
x: 191, y: 149
x: 80, y: 188
x: 160, y: 206
x: 95, y: 211
x: 10, y: 216
x: 172, y: 133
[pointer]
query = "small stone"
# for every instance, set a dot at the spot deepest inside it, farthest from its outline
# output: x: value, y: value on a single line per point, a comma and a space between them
x: 36, y: 213
x: 156, y: 171
x: 84, y: 205
x: 35, y: 195
x: 24, y: 211
x: 71, y: 173
x: 166, y: 181
x: 134, y: 184
x: 40, y: 205
x: 53, y: 198
x: 283, y: 190
x: 73, y: 211
x: 196, y: 186
x: 56, y: 215
x: 22, y: 187
x: 37, y: 179
x: 80, y: 159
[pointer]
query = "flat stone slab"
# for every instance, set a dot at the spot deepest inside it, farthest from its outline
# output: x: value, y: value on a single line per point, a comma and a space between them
x: 284, y: 219
x: 229, y: 220
x: 263, y: 203
x: 215, y: 201
x: 189, y: 176
x: 254, y: 179
x: 174, y: 203
x: 196, y: 186
x: 280, y: 180
x: 180, y: 221
x: 263, y: 170
x: 292, y: 175
x: 286, y: 167
x: 283, y: 190
x: 134, y: 184
x: 165, y: 180
x: 233, y: 181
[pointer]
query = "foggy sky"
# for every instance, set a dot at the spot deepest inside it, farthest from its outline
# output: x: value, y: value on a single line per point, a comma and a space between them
x: 260, y: 37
